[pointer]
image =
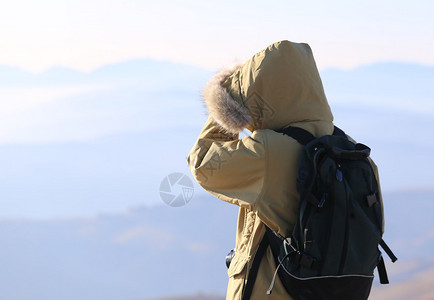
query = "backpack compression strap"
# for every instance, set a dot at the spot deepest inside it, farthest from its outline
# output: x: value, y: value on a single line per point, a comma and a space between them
x: 381, y: 268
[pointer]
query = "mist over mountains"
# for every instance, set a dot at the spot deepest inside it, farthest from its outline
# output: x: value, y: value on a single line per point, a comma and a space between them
x: 142, y: 253
x: 82, y: 156
x: 78, y: 144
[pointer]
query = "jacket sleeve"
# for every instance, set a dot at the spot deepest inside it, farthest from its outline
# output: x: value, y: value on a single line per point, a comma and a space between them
x: 229, y: 168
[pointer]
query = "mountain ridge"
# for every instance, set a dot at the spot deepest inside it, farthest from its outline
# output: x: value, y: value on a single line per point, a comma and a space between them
x: 151, y: 252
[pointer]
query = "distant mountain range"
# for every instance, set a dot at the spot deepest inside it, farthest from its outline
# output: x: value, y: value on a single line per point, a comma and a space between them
x: 151, y: 72
x: 75, y: 143
x: 152, y: 252
x: 82, y: 156
x: 142, y: 253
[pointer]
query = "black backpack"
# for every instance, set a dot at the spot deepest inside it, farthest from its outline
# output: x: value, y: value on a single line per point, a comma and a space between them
x: 334, y: 246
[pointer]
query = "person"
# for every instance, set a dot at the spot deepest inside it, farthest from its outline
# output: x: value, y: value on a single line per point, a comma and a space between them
x: 278, y: 87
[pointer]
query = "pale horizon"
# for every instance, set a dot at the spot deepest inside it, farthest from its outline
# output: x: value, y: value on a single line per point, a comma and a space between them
x: 86, y: 35
x: 45, y: 119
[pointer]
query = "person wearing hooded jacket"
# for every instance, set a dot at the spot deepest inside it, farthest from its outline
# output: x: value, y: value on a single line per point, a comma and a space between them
x: 278, y: 87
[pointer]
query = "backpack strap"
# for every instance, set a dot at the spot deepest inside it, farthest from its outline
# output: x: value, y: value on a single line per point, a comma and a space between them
x: 389, y: 252
x: 253, y: 272
x: 269, y: 239
x: 382, y: 274
x: 304, y: 137
x: 299, y: 134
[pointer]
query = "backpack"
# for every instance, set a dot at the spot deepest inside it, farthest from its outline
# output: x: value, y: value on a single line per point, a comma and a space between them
x: 334, y: 246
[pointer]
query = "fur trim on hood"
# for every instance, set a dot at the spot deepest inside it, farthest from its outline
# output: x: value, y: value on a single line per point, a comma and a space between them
x: 230, y: 115
x: 277, y: 87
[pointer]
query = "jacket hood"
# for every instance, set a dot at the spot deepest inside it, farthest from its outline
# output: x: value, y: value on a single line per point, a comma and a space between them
x: 278, y: 86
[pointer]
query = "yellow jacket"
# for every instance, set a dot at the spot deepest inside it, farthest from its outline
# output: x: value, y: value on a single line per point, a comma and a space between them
x: 278, y: 87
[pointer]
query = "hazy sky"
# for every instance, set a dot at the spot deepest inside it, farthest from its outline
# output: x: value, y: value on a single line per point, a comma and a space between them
x: 85, y: 34
x: 67, y: 146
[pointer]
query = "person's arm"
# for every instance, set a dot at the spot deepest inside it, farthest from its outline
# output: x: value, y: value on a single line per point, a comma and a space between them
x: 229, y: 168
